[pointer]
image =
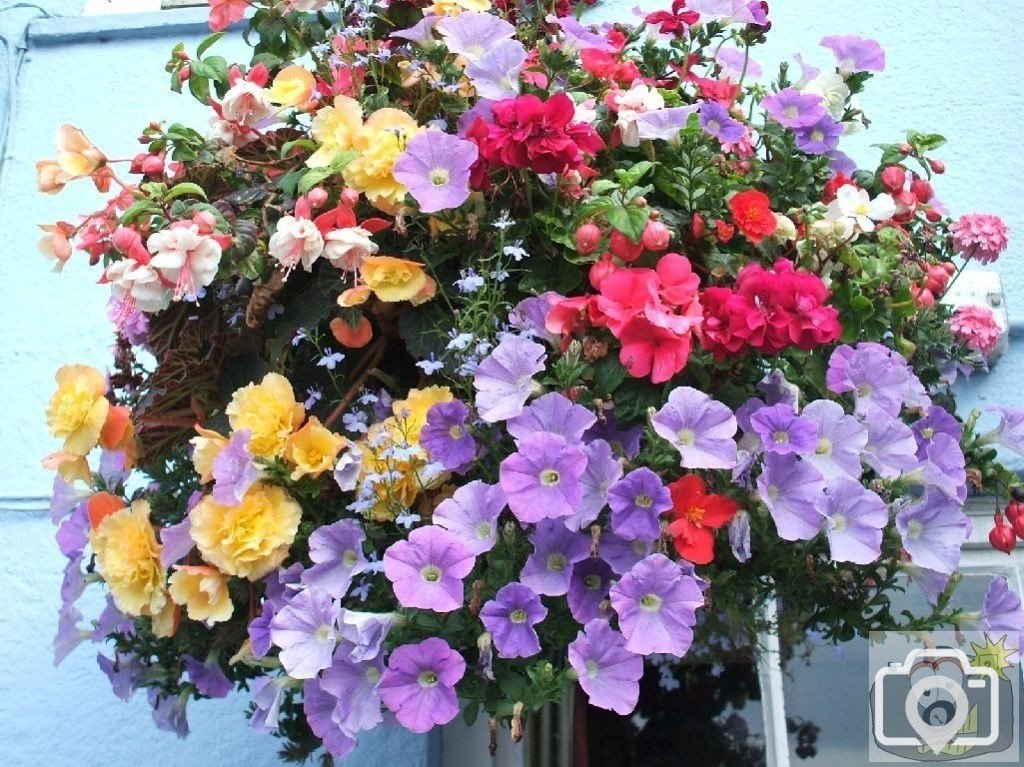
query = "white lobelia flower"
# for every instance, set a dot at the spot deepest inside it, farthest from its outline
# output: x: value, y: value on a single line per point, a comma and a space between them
x: 855, y: 206
x: 137, y: 286
x: 346, y: 248
x: 297, y: 240
x: 185, y: 258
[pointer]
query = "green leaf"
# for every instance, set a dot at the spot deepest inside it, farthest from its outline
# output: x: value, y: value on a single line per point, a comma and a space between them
x: 924, y: 142
x: 631, y: 177
x: 205, y: 45
x: 314, y: 176
x: 630, y: 221
x: 199, y: 87
x: 180, y: 190
x: 602, y: 185
x: 608, y: 375
x: 303, y: 143
x: 138, y: 208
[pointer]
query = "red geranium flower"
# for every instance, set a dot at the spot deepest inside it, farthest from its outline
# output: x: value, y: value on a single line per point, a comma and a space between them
x: 696, y: 514
x: 752, y: 214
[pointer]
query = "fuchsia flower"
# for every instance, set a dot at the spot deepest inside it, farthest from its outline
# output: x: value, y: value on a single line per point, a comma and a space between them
x: 419, y: 684
x: 427, y: 569
x: 980, y: 236
x: 976, y: 328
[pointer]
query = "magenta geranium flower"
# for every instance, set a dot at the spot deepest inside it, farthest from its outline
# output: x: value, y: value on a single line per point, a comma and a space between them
x: 427, y: 569
x: 435, y: 169
x: 419, y: 684
x: 608, y: 673
x: 542, y: 479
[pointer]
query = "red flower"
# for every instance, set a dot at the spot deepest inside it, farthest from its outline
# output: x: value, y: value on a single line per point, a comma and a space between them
x: 674, y: 22
x: 696, y: 514
x: 752, y: 214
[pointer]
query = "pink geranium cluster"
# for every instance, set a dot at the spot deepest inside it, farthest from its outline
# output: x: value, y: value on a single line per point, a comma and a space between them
x: 976, y: 328
x: 980, y: 236
x: 768, y: 310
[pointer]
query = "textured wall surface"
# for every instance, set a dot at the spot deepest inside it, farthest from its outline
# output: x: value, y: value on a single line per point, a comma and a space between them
x: 949, y: 70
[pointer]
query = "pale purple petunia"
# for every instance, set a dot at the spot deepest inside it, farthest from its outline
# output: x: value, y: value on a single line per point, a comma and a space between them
x: 542, y: 479
x: 553, y: 413
x: 208, y: 678
x: 789, y: 487
x: 504, y: 379
x: 931, y: 582
x: 471, y: 514
x: 778, y: 390
x: 841, y: 440
x: 588, y: 587
x: 421, y: 33
x: 446, y: 438
x: 73, y: 584
x: 556, y: 549
x: 1002, y: 612
x: 877, y: 376
x: 656, y: 603
x: 64, y: 498
x: 427, y: 569
x: 495, y: 75
x: 419, y: 684
x: 320, y: 707
x: 306, y: 630
x: 337, y: 554
x: 621, y: 554
x: 471, y: 34
x: 603, y: 470
x: 933, y: 531
x: 511, y: 617
x: 716, y: 121
x: 820, y: 137
x: 725, y: 11
x: 936, y: 420
x: 169, y: 712
x: 739, y: 536
x: 664, y: 124
x: 362, y: 634
x: 234, y: 470
x: 73, y: 533
x: 793, y: 109
x: 854, y: 520
x: 259, y: 630
x: 112, y: 621
x: 608, y: 673
x: 637, y: 502
x: 281, y: 585
x: 891, y: 449
x: 177, y: 542
x: 736, y: 63
x: 576, y: 37
x: 125, y: 672
x: 624, y: 441
x: 267, y: 695
x: 855, y: 54
x: 354, y: 684
x: 943, y: 468
x: 529, y: 316
x: 1010, y: 431
x: 841, y: 162
x: 435, y: 168
x: 69, y: 633
x: 700, y: 428
x: 783, y: 431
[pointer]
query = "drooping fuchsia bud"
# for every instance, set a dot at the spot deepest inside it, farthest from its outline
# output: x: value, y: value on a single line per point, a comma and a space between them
x: 625, y: 248
x: 894, y: 177
x: 697, y: 226
x: 349, y: 197
x: 317, y: 197
x: 656, y: 237
x: 1013, y: 510
x: 601, y: 270
x: 906, y: 149
x: 937, y: 166
x: 185, y: 72
x: 923, y: 297
x: 153, y: 164
x: 588, y: 237
x: 922, y: 190
x: 1002, y: 536
x: 1018, y: 527
x: 205, y: 221
x: 933, y: 215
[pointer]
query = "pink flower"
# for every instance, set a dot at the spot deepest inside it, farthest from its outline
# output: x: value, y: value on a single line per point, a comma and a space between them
x: 976, y: 328
x: 296, y: 241
x: 185, y: 258
x: 980, y: 236
x: 223, y: 13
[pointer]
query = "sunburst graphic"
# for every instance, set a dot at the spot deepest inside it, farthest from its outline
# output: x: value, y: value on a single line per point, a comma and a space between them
x: 993, y: 655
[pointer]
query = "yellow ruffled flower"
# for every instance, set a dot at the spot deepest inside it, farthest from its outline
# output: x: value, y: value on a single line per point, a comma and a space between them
x: 380, y: 143
x: 269, y: 411
x: 76, y: 154
x: 392, y: 279
x: 313, y: 449
x: 128, y: 558
x: 251, y: 539
x: 292, y: 87
x: 203, y: 591
x: 77, y: 411
x: 206, y: 446
x: 334, y: 129
x: 165, y: 622
x: 412, y: 411
x: 455, y: 7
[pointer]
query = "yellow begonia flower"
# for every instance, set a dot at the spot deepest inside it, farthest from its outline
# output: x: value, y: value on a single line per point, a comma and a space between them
x: 251, y: 539
x: 77, y: 411
x: 292, y: 87
x: 380, y: 142
x: 269, y: 411
x: 334, y: 129
x: 128, y: 558
x: 205, y: 449
x: 412, y: 411
x: 203, y: 591
x: 77, y: 156
x: 455, y: 7
x: 313, y: 449
x: 392, y: 279
x: 70, y: 468
x: 165, y: 622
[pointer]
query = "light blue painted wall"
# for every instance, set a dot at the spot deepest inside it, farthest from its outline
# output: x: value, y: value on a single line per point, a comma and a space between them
x: 951, y: 70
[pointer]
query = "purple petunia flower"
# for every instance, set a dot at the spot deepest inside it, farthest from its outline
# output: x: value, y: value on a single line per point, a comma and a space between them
x: 125, y: 672
x: 504, y: 379
x: 933, y: 531
x: 727, y: 11
x: 421, y: 33
x: 337, y: 554
x: 936, y: 420
x: 1010, y: 431
x: 471, y: 34
x: 542, y: 479
x: 112, y: 621
x: 608, y: 673
x: 855, y: 54
x: 207, y: 677
x: 306, y: 630
x: 69, y: 633
x: 840, y: 162
x: 259, y: 630
x: 588, y: 587
x: 716, y: 121
x: 529, y: 316
x: 73, y: 533
x: 427, y: 569
x: 784, y: 432
x: 445, y: 437
x: 471, y: 514
x: 841, y: 440
x: 737, y: 63
x: 931, y: 582
x: 267, y: 696
x: 419, y: 684
x: 553, y: 413
x: 362, y: 634
x: 511, y: 617
x: 664, y: 124
x: 891, y: 449
x: 64, y: 498
x: 603, y: 470
x: 556, y: 549
x: 793, y: 109
x: 739, y: 536
x: 576, y: 37
x: 820, y: 137
x: 790, y: 488
x: 234, y: 471
x: 177, y: 542
x: 354, y: 684
x: 854, y: 520
x: 624, y: 442
x: 320, y: 708
x: 621, y: 554
x: 1001, y: 612
x: 777, y: 390
x: 73, y: 584
x: 435, y: 168
x: 495, y: 75
x: 877, y: 376
x: 169, y: 711
x: 637, y: 502
x: 656, y: 603
x: 699, y: 428
x: 943, y: 468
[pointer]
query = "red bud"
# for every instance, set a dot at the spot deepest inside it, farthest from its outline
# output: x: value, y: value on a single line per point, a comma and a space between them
x: 922, y: 190
x: 588, y: 237
x: 656, y: 236
x: 1002, y: 536
x: 937, y: 166
x: 894, y: 178
x: 625, y: 248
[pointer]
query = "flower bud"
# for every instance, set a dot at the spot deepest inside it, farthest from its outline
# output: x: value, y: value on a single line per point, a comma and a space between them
x: 1014, y: 509
x: 623, y: 247
x: 922, y: 190
x: 697, y: 226
x: 317, y: 197
x: 894, y: 177
x: 588, y: 236
x: 906, y: 149
x: 937, y: 166
x: 601, y: 270
x: 656, y: 236
x: 1002, y: 536
x: 185, y: 73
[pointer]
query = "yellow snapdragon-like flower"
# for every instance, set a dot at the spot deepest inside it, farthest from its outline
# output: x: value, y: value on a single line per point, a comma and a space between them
x: 293, y: 87
x: 412, y: 411
x: 334, y: 129
x: 128, y: 558
x: 203, y: 591
x: 313, y: 449
x: 269, y: 411
x: 78, y: 409
x: 392, y: 279
x: 251, y: 539
x: 380, y: 142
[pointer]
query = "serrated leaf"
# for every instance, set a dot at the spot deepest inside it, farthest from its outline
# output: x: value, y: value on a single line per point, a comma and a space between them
x: 632, y: 176
x: 314, y: 176
x: 630, y: 221
x: 180, y: 190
